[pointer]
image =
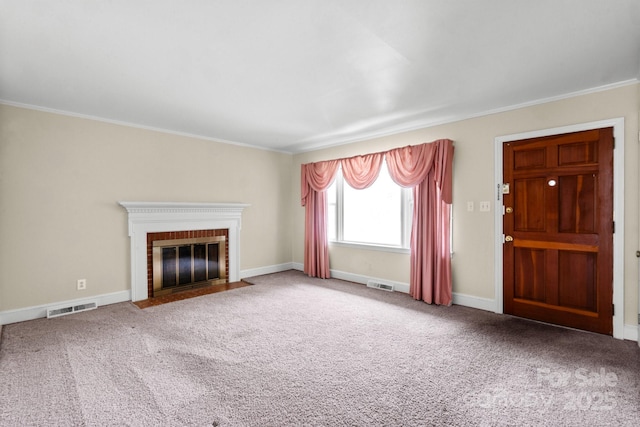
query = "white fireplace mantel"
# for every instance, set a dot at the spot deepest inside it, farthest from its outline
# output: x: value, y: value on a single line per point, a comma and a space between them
x: 153, y: 217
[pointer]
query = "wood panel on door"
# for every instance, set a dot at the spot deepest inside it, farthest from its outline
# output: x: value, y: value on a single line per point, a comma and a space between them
x: 558, y: 257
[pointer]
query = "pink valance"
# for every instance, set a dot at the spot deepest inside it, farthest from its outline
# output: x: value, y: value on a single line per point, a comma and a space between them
x: 317, y: 177
x: 362, y: 171
x: 409, y: 166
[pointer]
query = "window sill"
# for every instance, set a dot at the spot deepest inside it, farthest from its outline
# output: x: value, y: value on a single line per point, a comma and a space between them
x: 371, y: 247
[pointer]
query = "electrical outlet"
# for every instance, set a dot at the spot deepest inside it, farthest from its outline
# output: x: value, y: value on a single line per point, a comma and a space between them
x: 485, y: 206
x: 82, y: 284
x: 469, y: 206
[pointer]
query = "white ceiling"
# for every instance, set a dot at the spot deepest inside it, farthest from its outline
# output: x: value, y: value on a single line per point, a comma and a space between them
x: 295, y: 75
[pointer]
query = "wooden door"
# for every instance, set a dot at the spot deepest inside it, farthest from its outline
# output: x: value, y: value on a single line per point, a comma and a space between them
x: 558, y: 226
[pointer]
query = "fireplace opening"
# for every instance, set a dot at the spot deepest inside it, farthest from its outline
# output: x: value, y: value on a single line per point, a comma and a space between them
x: 179, y: 261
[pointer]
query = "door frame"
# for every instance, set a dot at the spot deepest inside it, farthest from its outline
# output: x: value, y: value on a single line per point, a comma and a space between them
x: 618, y: 210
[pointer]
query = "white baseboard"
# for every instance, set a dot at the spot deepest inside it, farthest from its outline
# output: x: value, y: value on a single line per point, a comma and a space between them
x: 270, y: 269
x: 358, y: 278
x: 36, y: 312
x: 458, y: 299
x: 486, y: 304
x: 631, y: 332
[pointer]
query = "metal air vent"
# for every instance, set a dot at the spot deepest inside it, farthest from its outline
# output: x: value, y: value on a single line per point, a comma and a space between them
x: 62, y: 311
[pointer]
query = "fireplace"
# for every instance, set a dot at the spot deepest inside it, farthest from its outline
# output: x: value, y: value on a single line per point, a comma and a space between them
x: 151, y: 221
x: 186, y: 259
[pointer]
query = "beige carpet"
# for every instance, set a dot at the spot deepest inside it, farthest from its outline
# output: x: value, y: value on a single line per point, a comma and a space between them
x: 293, y: 351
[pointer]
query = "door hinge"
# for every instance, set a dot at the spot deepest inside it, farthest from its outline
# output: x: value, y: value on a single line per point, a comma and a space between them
x: 613, y: 140
x: 613, y: 309
x: 613, y: 226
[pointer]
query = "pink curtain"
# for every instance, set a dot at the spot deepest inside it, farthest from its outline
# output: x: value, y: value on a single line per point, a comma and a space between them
x: 362, y: 171
x: 427, y: 168
x: 315, y: 179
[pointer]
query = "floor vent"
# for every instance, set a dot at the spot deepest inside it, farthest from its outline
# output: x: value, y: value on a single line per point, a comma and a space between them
x: 380, y: 285
x: 62, y: 311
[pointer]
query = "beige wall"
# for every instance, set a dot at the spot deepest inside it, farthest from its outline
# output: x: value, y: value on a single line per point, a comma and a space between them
x: 473, y: 233
x: 61, y: 178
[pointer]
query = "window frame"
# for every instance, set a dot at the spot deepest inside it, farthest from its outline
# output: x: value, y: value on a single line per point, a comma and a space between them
x: 406, y: 213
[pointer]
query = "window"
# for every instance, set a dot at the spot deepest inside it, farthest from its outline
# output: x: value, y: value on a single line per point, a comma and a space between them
x: 378, y: 216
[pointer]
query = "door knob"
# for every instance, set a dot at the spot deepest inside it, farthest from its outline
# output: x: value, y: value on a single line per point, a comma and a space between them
x: 508, y: 239
x: 509, y: 209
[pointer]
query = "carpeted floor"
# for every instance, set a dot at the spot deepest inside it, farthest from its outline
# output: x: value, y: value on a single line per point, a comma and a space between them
x: 292, y: 350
